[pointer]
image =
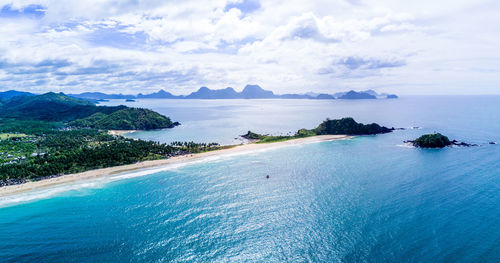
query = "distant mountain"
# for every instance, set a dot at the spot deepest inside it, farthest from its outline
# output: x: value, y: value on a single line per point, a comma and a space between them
x: 249, y: 92
x: 101, y: 96
x: 295, y: 96
x: 312, y: 94
x: 256, y: 92
x: 161, y: 94
x: 371, y: 92
x: 206, y: 93
x: 338, y: 94
x: 353, y: 95
x: 324, y: 96
x: 13, y: 93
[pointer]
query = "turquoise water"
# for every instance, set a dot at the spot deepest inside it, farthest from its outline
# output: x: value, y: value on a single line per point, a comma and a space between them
x: 368, y: 199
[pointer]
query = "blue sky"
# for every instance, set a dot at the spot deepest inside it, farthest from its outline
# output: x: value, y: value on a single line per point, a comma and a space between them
x: 418, y: 47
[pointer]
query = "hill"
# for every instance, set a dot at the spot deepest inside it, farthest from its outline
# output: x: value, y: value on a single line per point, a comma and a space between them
x: 353, y: 95
x: 324, y: 96
x: 344, y: 126
x: 256, y: 92
x: 13, y: 93
x: 161, y: 94
x: 349, y: 126
x: 57, y: 107
x: 125, y: 119
x: 51, y: 107
x: 206, y: 93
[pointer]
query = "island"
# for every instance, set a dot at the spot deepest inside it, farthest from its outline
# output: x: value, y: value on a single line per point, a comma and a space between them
x: 345, y: 126
x: 353, y: 95
x: 436, y: 140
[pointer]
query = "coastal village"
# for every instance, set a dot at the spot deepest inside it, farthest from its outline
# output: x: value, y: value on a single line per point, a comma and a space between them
x: 16, y: 147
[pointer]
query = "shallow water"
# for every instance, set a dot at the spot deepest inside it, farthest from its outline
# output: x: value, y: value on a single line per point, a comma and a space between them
x: 369, y: 199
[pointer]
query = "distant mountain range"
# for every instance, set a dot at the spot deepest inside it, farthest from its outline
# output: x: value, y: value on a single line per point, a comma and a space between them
x: 249, y: 92
x: 13, y: 93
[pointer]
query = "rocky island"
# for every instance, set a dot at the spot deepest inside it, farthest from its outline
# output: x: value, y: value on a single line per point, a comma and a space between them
x: 436, y: 140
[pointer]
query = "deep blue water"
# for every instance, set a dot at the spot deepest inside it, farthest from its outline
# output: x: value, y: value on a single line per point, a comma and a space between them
x: 368, y: 199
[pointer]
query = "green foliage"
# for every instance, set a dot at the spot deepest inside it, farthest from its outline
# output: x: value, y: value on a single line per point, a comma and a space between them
x: 27, y: 126
x: 5, y: 136
x: 253, y: 136
x: 436, y: 140
x: 305, y: 133
x: 51, y: 107
x: 349, y: 126
x: 62, y: 152
x: 125, y: 119
x: 345, y: 126
x: 16, y: 148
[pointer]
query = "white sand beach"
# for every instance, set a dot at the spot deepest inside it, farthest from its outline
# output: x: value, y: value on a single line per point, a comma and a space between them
x: 93, y: 174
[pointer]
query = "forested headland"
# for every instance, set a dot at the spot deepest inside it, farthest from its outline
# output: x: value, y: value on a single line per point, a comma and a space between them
x: 54, y: 134
x: 344, y: 126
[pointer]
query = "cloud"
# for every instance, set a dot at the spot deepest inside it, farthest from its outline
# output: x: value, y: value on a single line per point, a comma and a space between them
x: 287, y: 46
x: 245, y: 6
x: 29, y: 11
x: 354, y: 63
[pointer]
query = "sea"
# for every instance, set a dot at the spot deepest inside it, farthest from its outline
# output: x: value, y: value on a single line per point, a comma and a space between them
x: 366, y: 199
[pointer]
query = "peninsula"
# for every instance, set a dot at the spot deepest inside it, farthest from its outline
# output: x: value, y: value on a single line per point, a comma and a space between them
x: 344, y: 126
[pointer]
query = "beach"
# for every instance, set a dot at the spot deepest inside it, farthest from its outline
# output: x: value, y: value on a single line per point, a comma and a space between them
x: 97, y: 173
x: 120, y: 132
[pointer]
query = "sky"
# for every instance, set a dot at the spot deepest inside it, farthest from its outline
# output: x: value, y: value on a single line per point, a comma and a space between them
x: 292, y: 46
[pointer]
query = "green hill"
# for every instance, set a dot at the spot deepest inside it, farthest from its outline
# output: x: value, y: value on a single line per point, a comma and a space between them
x: 51, y: 107
x: 344, y: 126
x: 350, y: 127
x: 435, y: 140
x: 125, y: 119
x: 57, y: 107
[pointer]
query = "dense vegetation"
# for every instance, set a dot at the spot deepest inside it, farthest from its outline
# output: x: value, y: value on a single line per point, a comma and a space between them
x: 54, y: 134
x: 57, y: 107
x: 50, y: 107
x: 436, y: 140
x: 125, y: 119
x: 346, y: 126
x: 61, y: 152
x: 28, y: 126
x: 350, y: 127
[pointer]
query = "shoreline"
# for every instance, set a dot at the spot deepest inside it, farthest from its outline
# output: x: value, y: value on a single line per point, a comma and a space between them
x: 120, y: 132
x: 110, y: 171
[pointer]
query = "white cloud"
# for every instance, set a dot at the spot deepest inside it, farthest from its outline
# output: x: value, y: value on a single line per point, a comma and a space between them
x: 286, y: 46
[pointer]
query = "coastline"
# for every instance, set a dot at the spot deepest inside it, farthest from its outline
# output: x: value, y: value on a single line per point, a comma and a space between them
x: 120, y: 132
x: 103, y: 172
